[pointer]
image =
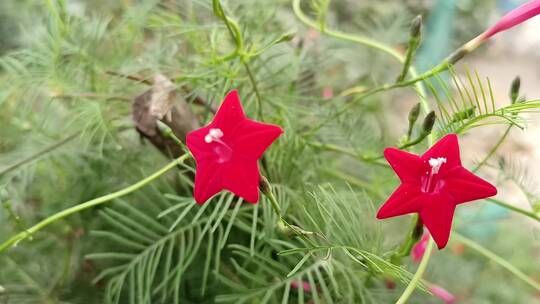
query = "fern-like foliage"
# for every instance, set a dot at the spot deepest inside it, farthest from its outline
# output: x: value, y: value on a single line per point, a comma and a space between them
x: 155, y: 251
x: 468, y: 102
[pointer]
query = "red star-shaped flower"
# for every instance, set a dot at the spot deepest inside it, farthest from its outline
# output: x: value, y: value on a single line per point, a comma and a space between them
x: 227, y: 150
x: 432, y: 185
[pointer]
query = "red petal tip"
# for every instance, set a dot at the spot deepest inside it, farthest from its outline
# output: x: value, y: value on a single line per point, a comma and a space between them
x: 199, y: 202
x: 388, y: 151
x: 441, y: 243
x: 381, y: 215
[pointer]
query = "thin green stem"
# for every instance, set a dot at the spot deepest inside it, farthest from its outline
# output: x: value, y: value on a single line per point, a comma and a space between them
x: 364, y: 41
x: 530, y: 214
x: 89, y: 204
x: 234, y: 31
x: 419, y: 87
x: 415, y: 234
x: 372, y: 159
x: 256, y: 89
x: 355, y: 38
x: 493, y: 150
x: 352, y: 180
x: 236, y: 35
x: 418, y: 275
x: 347, y: 107
x: 497, y: 259
x: 334, y: 148
x: 38, y: 154
x: 301, y: 233
x: 274, y: 203
x: 414, y: 142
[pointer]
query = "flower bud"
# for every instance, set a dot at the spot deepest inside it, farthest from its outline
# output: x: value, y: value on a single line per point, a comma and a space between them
x: 414, y: 42
x: 416, y: 27
x: 442, y: 294
x: 286, y: 37
x: 514, y: 89
x: 284, y: 229
x: 264, y: 185
x: 429, y: 122
x: 413, y: 114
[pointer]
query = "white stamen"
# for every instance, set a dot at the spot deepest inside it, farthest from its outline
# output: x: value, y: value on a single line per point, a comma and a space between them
x: 436, y: 164
x: 214, y: 134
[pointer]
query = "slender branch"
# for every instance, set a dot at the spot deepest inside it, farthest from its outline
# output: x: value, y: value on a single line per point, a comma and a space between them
x: 497, y: 259
x: 38, y: 154
x: 14, y: 240
x: 530, y: 214
x: 372, y: 159
x: 415, y: 233
x: 256, y: 89
x: 418, y: 275
x: 90, y: 95
x: 356, y: 182
x: 188, y: 91
x: 131, y: 77
x: 493, y: 150
x: 419, y: 87
x: 266, y: 189
x: 364, y: 41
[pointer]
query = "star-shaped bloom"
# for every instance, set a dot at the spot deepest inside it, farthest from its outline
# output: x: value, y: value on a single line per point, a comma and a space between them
x: 227, y: 151
x: 432, y: 185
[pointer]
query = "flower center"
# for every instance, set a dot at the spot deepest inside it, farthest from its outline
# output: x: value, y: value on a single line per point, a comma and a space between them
x: 435, y: 164
x: 222, y: 150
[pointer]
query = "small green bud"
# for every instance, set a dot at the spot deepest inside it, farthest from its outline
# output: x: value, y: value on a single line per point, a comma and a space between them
x: 429, y: 122
x: 502, y: 162
x: 414, y: 42
x: 286, y: 37
x: 284, y: 229
x: 264, y: 185
x: 416, y: 27
x: 291, y: 230
x: 514, y: 89
x: 413, y: 114
x: 218, y: 9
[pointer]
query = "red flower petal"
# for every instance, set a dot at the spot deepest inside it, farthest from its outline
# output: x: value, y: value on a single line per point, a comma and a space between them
x: 409, y: 167
x: 417, y: 252
x: 464, y: 186
x: 244, y: 180
x: 406, y: 199
x: 432, y: 186
x: 442, y: 294
x: 208, y: 181
x: 253, y: 138
x: 197, y: 145
x: 437, y: 214
x: 448, y: 148
x: 226, y: 152
x: 229, y: 114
